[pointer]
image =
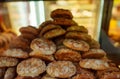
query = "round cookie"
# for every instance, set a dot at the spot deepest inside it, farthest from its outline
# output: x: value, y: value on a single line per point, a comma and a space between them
x: 94, y: 53
x: 67, y: 55
x: 17, y: 53
x: 48, y: 27
x: 94, y: 44
x: 44, y: 46
x: 45, y: 23
x: 61, y: 69
x: 48, y: 77
x: 78, y: 35
x: 20, y: 42
x: 28, y: 36
x: 24, y: 77
x: 113, y: 75
x: 54, y: 33
x: 10, y: 73
x: 41, y: 56
x: 29, y: 29
x: 84, y: 76
x: 76, y: 44
x: 94, y: 64
x: 64, y: 22
x: 64, y: 13
x: 81, y: 29
x: 8, y: 62
x: 31, y: 67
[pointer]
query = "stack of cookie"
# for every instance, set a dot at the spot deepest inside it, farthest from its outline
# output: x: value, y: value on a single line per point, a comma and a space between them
x: 58, y: 49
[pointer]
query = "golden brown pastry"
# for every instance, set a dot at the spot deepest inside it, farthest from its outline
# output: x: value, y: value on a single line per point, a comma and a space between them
x: 44, y: 46
x: 64, y: 13
x: 61, y: 69
x: 94, y: 64
x: 8, y: 62
x: 67, y: 55
x: 94, y: 53
x: 76, y: 44
x: 31, y: 67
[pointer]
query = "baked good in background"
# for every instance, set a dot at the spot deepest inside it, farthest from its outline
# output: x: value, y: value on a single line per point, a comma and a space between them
x: 57, y: 49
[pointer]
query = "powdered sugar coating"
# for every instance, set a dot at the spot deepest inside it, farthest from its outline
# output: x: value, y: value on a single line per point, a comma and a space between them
x: 43, y: 45
x: 61, y: 69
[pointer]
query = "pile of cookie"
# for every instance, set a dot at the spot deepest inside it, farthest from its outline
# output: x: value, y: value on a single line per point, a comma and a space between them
x: 58, y: 49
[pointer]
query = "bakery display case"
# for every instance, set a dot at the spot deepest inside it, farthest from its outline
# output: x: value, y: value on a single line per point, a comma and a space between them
x: 61, y: 39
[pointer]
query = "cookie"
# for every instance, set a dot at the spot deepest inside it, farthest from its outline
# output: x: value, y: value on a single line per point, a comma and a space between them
x: 76, y: 44
x: 94, y: 44
x: 94, y: 53
x: 48, y: 77
x: 24, y: 77
x: 44, y: 24
x: 94, y: 64
x: 67, y: 55
x: 42, y: 56
x: 17, y: 53
x: 64, y: 13
x: 8, y: 62
x: 84, y: 76
x: 28, y: 36
x: 2, y: 72
x: 61, y: 69
x: 48, y: 28
x: 113, y: 75
x: 10, y: 73
x: 64, y: 22
x: 81, y: 29
x: 31, y: 67
x: 78, y: 35
x: 82, y: 70
x: 20, y: 42
x: 54, y: 33
x: 29, y: 29
x: 44, y: 46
